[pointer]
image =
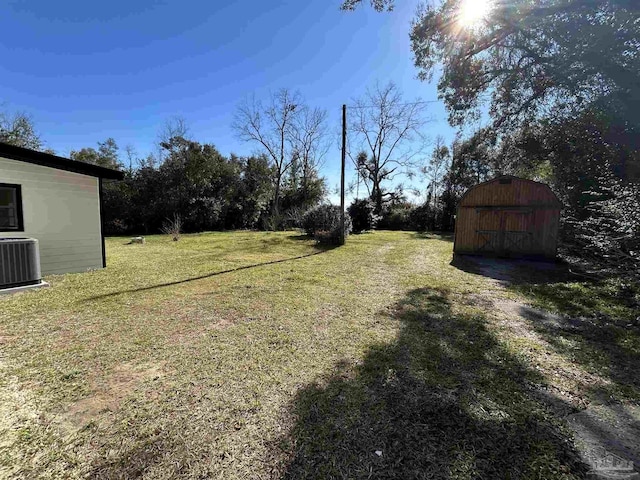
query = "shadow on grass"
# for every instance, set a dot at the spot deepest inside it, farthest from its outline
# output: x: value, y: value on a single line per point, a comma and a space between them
x: 323, y: 249
x: 513, y: 271
x: 445, y: 400
x: 598, y: 326
x: 446, y: 236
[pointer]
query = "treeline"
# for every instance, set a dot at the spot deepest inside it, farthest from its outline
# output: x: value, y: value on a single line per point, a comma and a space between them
x: 206, y: 190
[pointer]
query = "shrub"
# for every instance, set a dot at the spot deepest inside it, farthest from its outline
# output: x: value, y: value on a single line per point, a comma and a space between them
x: 323, y: 223
x: 422, y: 218
x: 293, y: 219
x: 395, y: 218
x: 116, y: 226
x: 363, y: 217
x: 173, y: 227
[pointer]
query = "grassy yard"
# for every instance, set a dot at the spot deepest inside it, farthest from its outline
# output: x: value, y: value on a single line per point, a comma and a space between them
x: 259, y: 355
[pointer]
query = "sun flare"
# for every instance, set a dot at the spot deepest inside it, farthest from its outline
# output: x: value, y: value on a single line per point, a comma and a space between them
x: 474, y: 12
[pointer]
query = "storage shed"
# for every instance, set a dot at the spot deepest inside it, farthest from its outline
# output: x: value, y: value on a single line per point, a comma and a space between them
x: 508, y: 216
x: 56, y: 201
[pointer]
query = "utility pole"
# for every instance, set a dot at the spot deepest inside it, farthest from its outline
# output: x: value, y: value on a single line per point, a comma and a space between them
x: 344, y: 153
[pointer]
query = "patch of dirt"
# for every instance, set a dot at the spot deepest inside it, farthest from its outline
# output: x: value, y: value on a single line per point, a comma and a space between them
x: 110, y: 391
x: 192, y: 333
x: 568, y: 378
x: 609, y: 436
x: 4, y: 339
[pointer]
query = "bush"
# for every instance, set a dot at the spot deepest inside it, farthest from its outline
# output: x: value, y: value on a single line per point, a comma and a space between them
x: 422, y: 218
x: 323, y: 223
x: 395, y: 218
x: 116, y: 226
x: 173, y: 227
x: 363, y: 217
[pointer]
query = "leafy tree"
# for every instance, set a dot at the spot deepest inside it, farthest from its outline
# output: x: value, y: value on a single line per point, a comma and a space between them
x: 254, y: 193
x: 18, y: 129
x: 379, y: 5
x: 105, y: 156
x: 198, y: 183
x: 324, y: 223
x: 363, y: 217
x: 530, y: 55
x: 388, y: 135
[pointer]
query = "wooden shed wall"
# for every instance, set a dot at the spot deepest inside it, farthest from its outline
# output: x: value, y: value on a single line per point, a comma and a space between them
x: 519, y: 218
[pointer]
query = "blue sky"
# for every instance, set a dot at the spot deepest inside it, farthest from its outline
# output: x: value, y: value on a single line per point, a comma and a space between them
x: 87, y: 70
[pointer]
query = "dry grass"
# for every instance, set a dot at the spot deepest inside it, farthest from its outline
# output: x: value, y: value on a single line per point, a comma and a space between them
x: 258, y: 355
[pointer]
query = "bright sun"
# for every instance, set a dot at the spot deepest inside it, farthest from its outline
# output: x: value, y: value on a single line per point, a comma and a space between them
x: 474, y: 12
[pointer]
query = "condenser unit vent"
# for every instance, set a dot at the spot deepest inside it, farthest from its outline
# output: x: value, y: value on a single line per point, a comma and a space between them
x: 19, y: 262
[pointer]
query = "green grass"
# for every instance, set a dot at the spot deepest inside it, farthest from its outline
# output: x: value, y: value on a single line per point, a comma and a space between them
x: 260, y: 355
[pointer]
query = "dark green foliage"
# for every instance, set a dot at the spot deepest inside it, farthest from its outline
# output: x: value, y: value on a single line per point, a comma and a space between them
x: 422, y: 218
x: 323, y: 223
x: 363, y: 216
x: 105, y: 156
x: 530, y: 55
x: 395, y: 217
x: 207, y: 190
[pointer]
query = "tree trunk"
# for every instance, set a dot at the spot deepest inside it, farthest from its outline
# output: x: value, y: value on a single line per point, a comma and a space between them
x: 376, y: 194
x: 275, y: 206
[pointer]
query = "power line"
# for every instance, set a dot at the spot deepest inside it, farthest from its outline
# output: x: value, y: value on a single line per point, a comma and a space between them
x: 421, y: 102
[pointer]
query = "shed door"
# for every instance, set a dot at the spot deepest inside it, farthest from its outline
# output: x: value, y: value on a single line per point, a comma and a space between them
x: 504, y: 232
x: 517, y: 232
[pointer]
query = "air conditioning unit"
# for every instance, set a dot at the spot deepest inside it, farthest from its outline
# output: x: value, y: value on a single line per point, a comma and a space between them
x: 19, y: 262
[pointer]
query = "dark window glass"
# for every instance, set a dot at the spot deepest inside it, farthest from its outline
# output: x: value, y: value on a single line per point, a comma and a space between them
x: 10, y: 208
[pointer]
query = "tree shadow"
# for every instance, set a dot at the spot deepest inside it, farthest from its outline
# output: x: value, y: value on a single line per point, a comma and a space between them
x: 445, y: 400
x: 446, y: 236
x: 300, y: 237
x: 514, y: 270
x: 599, y: 342
x: 321, y: 249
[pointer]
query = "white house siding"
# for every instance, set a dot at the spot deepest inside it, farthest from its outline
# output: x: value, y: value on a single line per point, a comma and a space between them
x: 62, y: 210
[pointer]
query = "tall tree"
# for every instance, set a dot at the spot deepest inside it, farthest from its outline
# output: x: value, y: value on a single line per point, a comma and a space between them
x: 286, y: 131
x: 175, y: 126
x: 309, y: 136
x: 434, y: 172
x: 526, y: 56
x: 105, y: 156
x: 18, y: 129
x: 387, y: 133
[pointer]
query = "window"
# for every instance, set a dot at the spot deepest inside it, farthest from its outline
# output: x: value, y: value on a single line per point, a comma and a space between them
x: 10, y: 208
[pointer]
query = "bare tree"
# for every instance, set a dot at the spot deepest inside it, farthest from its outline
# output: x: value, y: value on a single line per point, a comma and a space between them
x: 388, y: 138
x: 309, y: 142
x: 271, y: 126
x: 174, y: 127
x: 438, y: 164
x: 132, y: 156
